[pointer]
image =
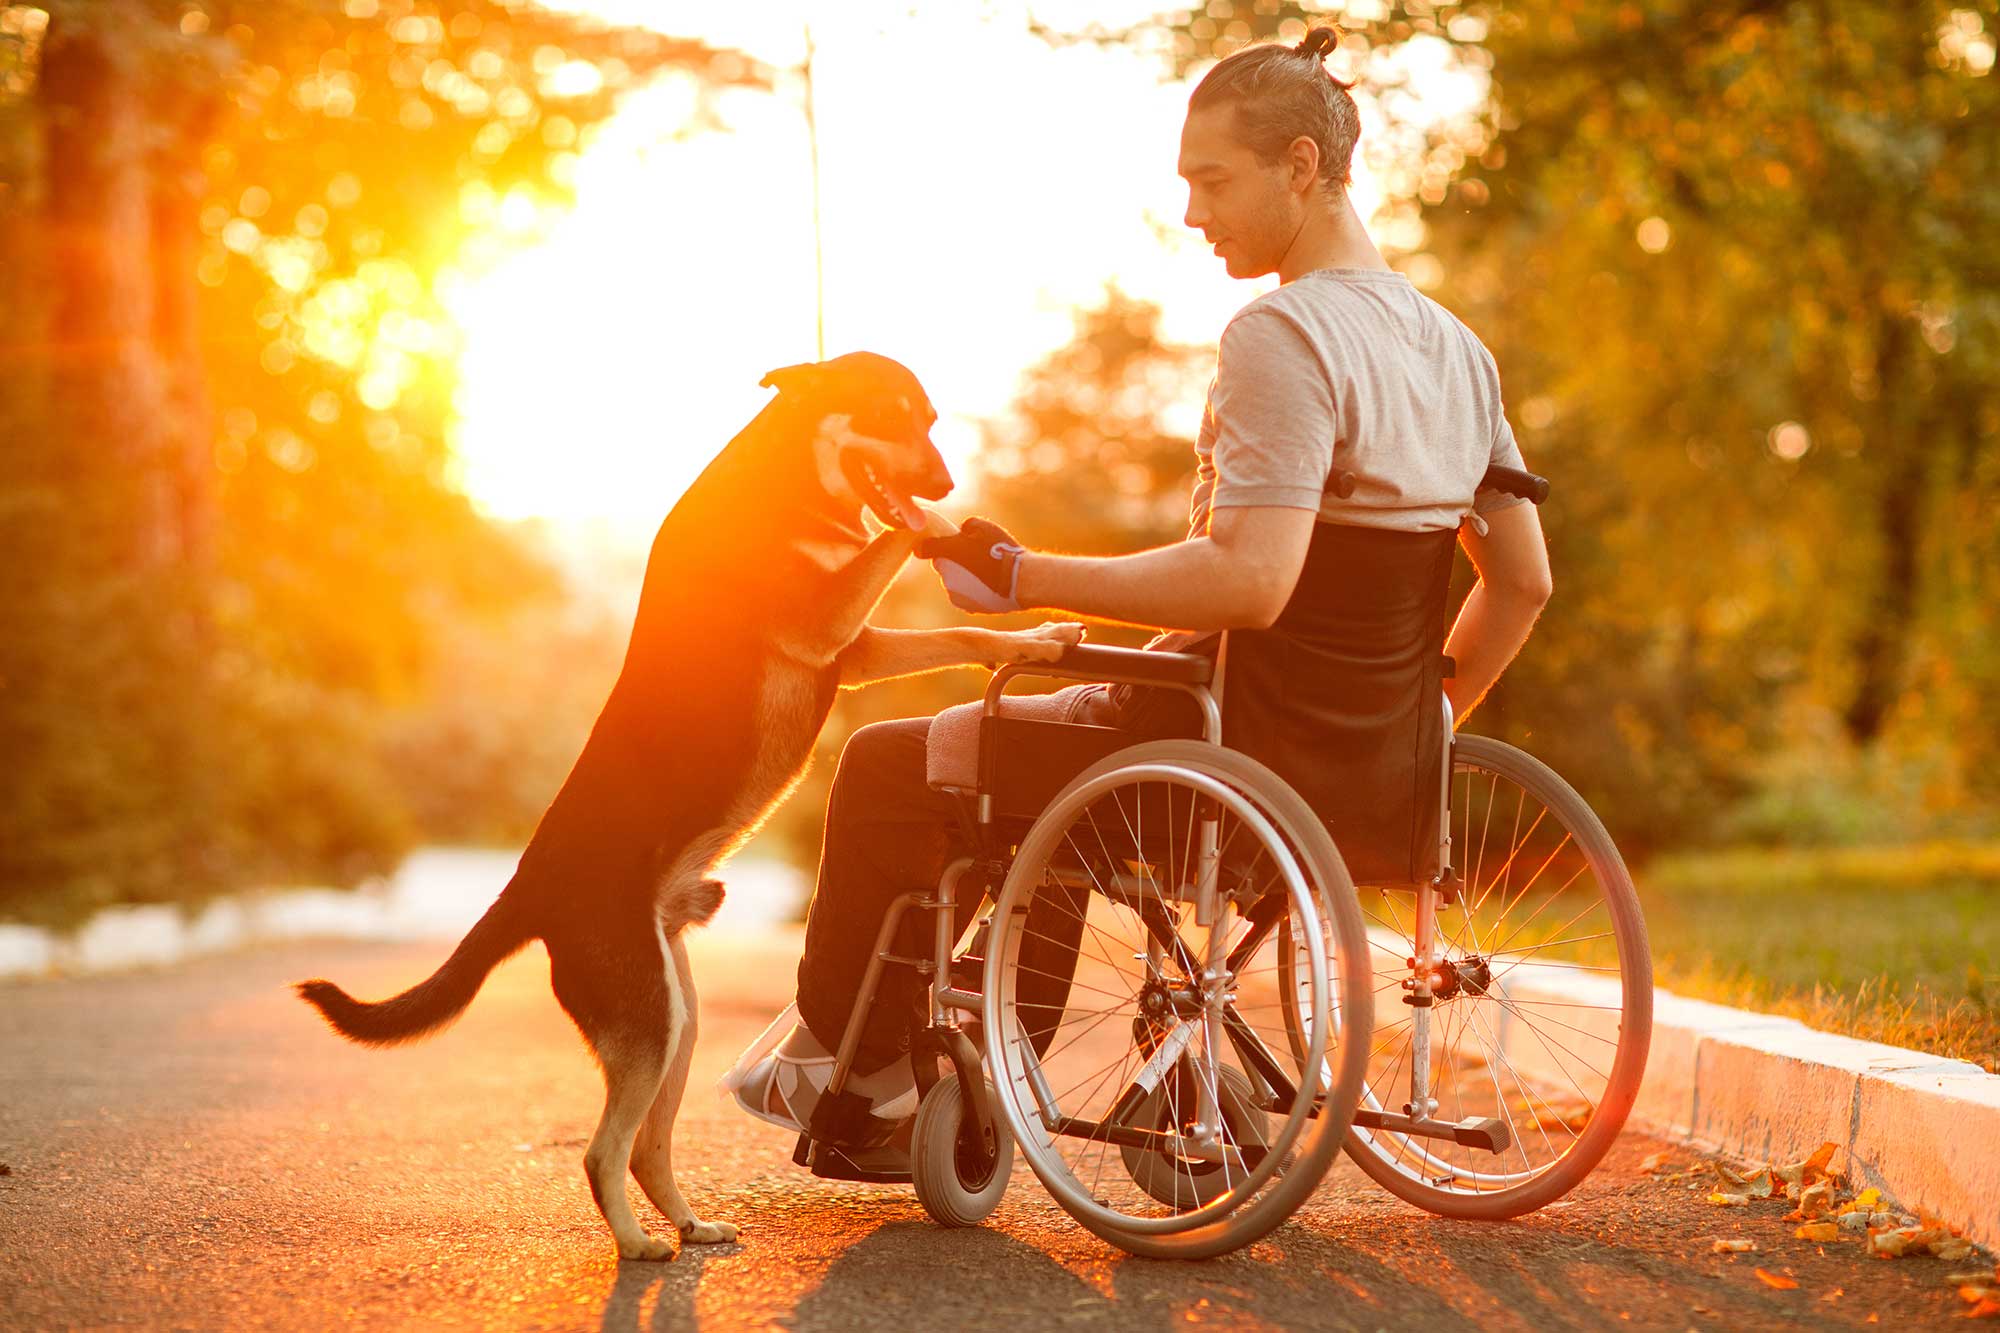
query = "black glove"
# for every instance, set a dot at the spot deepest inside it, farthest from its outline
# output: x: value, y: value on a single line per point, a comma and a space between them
x: 980, y: 566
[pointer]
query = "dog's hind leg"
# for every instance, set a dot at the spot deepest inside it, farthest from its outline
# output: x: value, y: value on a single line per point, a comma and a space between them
x: 625, y: 1021
x: 653, y: 1155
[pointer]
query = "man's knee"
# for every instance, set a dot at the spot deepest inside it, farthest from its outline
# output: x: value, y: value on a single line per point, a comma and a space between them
x: 882, y: 757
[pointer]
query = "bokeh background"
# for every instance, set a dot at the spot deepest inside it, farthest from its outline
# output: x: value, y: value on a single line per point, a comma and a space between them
x: 351, y: 349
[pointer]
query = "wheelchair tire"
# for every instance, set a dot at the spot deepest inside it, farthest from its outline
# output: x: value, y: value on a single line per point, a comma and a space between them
x: 1065, y: 1133
x: 958, y: 1185
x: 1561, y: 976
x: 1183, y: 1186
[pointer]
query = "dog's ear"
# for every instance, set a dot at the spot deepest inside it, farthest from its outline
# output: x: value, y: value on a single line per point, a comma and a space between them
x: 793, y: 379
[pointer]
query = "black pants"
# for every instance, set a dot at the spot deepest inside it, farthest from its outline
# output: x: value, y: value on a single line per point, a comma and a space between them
x: 888, y: 833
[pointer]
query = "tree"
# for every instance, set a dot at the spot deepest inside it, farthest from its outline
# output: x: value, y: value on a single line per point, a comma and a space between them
x: 1733, y: 261
x: 232, y: 546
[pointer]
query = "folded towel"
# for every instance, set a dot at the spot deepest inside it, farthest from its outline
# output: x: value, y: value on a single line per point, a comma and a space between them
x: 951, y: 749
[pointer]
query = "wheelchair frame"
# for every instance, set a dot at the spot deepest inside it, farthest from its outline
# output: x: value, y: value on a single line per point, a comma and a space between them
x: 837, y: 1113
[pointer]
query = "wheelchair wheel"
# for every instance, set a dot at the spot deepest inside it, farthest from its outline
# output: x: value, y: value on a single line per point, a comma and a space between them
x: 1542, y: 986
x: 1122, y: 1025
x: 958, y: 1182
x: 1186, y: 1183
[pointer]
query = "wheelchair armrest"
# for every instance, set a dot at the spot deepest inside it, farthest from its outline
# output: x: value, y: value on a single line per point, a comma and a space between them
x: 1090, y: 661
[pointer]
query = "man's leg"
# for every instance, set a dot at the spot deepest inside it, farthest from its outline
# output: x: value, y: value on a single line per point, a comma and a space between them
x: 887, y: 834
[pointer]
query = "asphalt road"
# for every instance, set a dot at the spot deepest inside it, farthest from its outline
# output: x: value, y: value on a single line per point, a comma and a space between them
x: 190, y: 1148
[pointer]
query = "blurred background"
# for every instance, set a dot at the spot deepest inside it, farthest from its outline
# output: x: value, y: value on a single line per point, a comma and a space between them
x: 350, y: 350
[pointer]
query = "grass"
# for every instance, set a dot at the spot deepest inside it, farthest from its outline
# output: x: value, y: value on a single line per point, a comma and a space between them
x: 1899, y: 945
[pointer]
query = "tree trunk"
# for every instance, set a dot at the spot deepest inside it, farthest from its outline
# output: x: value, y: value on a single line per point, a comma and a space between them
x: 109, y: 408
x: 1881, y: 646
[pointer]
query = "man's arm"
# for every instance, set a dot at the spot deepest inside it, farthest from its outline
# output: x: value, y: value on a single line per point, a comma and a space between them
x: 1514, y: 585
x: 1238, y: 576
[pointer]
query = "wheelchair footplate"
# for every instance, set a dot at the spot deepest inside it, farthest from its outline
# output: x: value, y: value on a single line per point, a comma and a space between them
x: 845, y: 1142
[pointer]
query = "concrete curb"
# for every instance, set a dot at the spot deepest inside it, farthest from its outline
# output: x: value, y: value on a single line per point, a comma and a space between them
x: 1924, y: 1130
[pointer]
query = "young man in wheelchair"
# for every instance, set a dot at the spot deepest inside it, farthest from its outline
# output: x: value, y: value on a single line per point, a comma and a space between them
x: 1346, y: 431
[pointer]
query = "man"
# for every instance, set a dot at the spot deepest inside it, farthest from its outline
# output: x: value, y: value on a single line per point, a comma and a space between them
x: 1332, y: 604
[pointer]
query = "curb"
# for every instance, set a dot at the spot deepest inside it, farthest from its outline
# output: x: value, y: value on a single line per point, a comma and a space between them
x: 1921, y: 1128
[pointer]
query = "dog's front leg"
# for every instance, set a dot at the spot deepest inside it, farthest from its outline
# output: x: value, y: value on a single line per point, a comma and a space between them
x: 653, y: 1152
x: 841, y: 604
x: 884, y: 654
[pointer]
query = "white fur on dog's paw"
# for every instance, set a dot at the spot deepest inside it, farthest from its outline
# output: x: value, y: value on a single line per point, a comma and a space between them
x: 708, y: 1233
x: 651, y: 1249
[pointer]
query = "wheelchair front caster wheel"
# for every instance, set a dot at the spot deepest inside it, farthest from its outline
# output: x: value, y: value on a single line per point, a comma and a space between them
x: 959, y: 1179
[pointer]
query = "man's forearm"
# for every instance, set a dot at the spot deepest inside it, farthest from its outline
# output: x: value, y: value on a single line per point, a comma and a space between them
x: 1183, y: 586
x: 1490, y: 629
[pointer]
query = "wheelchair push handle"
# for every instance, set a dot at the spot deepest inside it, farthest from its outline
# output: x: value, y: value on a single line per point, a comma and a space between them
x: 1514, y: 481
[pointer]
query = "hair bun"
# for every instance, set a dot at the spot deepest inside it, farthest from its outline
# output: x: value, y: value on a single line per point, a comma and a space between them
x: 1319, y: 43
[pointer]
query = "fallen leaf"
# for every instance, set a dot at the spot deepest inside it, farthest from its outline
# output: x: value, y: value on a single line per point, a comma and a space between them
x: 1854, y: 1221
x: 1777, y: 1280
x: 1733, y: 1247
x: 1811, y: 1169
x: 1952, y: 1249
x: 1721, y: 1200
x: 1974, y: 1292
x: 1756, y: 1185
x: 1815, y: 1200
x: 1890, y: 1244
x: 1867, y: 1199
x: 1833, y: 1295
x: 1654, y: 1163
x: 1984, y: 1310
x: 1818, y: 1231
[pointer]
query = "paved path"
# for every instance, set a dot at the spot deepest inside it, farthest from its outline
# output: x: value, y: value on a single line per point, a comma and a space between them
x: 189, y: 1148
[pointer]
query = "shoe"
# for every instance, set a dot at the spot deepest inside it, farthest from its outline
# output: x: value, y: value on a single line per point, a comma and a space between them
x: 781, y: 1083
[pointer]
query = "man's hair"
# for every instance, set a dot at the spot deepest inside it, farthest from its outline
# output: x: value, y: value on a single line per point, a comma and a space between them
x: 1282, y: 92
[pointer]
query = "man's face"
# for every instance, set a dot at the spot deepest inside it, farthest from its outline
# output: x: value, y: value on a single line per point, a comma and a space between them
x: 1241, y: 206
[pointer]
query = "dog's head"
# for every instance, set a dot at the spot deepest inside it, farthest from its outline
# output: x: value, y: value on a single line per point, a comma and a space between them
x: 870, y: 424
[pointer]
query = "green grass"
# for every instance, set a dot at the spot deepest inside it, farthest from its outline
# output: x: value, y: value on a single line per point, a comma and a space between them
x: 1898, y: 944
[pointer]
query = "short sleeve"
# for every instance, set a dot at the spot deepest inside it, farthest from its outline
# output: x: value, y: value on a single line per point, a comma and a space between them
x: 1274, y: 416
x: 1505, y: 452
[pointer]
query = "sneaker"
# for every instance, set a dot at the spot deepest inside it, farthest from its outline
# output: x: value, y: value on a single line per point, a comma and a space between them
x: 784, y: 1085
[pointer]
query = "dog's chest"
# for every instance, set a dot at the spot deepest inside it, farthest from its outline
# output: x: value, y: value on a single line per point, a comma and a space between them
x: 792, y: 704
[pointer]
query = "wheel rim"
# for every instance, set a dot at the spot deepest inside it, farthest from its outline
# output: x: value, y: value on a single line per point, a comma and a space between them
x: 1538, y: 968
x: 1136, y: 936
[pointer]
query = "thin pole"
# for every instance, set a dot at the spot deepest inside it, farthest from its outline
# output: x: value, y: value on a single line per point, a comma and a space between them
x: 819, y: 246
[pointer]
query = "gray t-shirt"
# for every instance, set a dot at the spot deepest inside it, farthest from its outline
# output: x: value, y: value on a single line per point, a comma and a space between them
x: 1356, y: 369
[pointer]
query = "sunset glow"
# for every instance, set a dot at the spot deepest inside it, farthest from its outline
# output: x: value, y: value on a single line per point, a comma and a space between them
x: 978, y: 187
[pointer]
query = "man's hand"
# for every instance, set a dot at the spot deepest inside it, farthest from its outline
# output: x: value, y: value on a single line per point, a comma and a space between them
x: 1044, y: 643
x: 979, y: 564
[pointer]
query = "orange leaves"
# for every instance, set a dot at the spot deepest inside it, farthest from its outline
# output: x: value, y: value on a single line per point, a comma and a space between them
x: 1800, y: 1174
x: 1778, y: 1280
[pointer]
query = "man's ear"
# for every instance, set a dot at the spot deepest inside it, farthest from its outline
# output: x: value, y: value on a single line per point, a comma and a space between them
x: 792, y: 379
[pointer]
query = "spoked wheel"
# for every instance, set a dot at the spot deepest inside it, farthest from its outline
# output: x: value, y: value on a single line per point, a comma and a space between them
x: 1139, y: 1047
x: 1540, y: 982
x: 1184, y: 1183
x: 959, y: 1180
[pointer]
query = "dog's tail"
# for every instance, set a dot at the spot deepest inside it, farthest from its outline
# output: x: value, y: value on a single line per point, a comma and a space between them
x: 436, y: 1001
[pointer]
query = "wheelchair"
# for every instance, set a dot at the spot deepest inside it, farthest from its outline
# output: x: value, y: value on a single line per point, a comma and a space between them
x: 1170, y: 988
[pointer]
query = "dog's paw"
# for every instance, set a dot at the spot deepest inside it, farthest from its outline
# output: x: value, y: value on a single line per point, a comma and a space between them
x: 649, y: 1248
x: 698, y: 1232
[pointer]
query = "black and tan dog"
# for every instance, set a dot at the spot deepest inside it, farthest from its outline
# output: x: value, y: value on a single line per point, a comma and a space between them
x: 753, y: 613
